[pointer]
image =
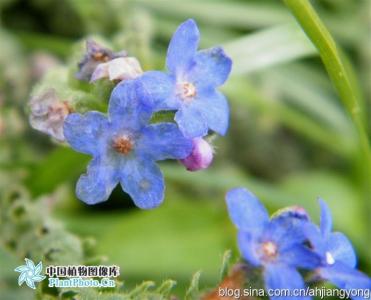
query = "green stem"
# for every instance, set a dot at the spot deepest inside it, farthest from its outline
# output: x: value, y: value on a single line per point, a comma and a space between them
x: 342, y: 78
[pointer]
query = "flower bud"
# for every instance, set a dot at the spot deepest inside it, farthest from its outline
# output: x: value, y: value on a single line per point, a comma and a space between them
x: 95, y: 55
x: 122, y: 68
x: 201, y: 156
x: 48, y: 113
x: 294, y: 212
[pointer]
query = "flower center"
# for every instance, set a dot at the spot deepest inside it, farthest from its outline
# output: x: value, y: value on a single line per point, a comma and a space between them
x: 123, y: 145
x: 187, y: 90
x: 329, y: 258
x: 269, y: 250
x: 100, y: 56
x: 30, y: 273
x: 59, y: 110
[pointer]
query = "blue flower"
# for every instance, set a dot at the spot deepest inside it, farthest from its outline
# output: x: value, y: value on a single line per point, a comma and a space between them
x: 338, y: 256
x: 30, y: 273
x: 190, y: 86
x: 277, y: 244
x: 124, y: 148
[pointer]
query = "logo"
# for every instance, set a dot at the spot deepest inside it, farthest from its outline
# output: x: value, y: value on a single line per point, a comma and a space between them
x: 30, y: 273
x: 68, y: 276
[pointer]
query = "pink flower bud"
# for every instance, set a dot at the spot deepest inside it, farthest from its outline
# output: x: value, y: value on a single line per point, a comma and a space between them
x: 201, y: 156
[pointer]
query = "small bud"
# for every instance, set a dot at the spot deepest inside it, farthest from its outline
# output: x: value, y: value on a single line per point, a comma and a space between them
x: 48, y: 113
x: 201, y: 156
x: 95, y: 55
x: 122, y: 68
x: 295, y: 212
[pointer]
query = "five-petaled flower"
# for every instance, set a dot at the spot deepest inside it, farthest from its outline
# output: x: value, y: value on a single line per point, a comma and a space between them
x: 190, y: 86
x: 30, y: 273
x: 124, y: 147
x: 277, y: 244
x: 338, y: 257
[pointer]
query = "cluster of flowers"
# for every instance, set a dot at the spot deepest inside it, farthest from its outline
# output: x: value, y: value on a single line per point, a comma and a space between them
x: 125, y: 145
x: 289, y: 242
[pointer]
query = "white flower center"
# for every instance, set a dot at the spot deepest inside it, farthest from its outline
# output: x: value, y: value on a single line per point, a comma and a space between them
x: 186, y: 90
x: 30, y: 273
x: 329, y: 258
x: 269, y: 250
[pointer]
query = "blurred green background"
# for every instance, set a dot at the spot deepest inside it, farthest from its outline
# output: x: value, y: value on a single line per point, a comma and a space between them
x: 290, y: 139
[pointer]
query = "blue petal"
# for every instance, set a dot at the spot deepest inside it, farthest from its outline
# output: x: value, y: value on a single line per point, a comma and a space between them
x: 97, y: 184
x: 130, y: 106
x: 191, y: 122
x: 345, y: 277
x: 182, y: 47
x: 315, y: 238
x: 285, y: 231
x: 326, y: 219
x: 280, y: 278
x: 245, y: 210
x: 210, y: 68
x: 215, y: 110
x: 299, y: 256
x: 164, y: 141
x: 247, y: 243
x: 144, y: 182
x: 161, y: 88
x: 341, y: 249
x: 85, y: 132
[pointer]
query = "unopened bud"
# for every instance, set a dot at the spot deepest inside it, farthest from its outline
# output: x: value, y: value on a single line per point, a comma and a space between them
x: 48, y: 113
x: 95, y: 55
x: 201, y: 156
x: 293, y: 212
x: 122, y: 68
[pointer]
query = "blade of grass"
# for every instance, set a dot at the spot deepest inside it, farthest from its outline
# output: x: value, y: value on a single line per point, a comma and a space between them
x: 268, y: 47
x: 222, y: 13
x: 242, y: 92
x: 343, y: 80
x: 318, y: 101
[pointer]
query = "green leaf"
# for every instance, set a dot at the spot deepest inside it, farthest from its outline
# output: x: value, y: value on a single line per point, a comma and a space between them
x: 200, y: 226
x: 61, y: 165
